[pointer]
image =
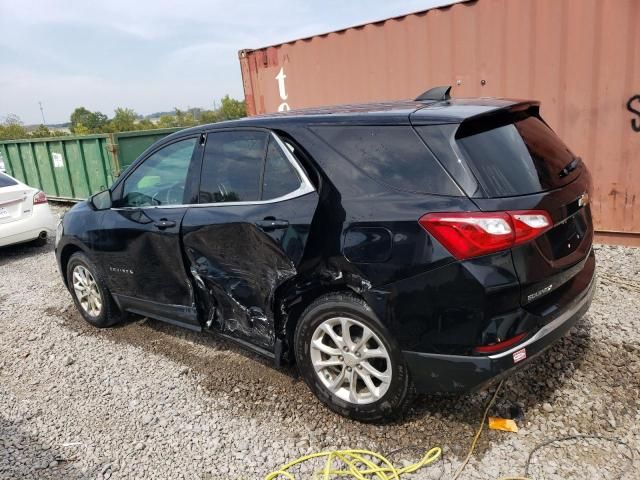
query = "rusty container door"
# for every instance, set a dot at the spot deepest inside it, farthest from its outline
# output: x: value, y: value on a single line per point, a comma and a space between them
x: 580, y: 58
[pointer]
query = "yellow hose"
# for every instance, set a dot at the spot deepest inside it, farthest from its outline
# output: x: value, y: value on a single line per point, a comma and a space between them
x: 477, y: 435
x: 358, y: 464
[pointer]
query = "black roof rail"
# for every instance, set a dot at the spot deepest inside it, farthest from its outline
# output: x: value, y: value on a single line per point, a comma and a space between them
x: 437, y: 94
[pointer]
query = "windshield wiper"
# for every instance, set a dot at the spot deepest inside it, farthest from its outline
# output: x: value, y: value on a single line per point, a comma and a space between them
x: 569, y: 167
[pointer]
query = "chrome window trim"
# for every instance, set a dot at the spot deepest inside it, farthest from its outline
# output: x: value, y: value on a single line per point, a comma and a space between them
x: 305, y: 188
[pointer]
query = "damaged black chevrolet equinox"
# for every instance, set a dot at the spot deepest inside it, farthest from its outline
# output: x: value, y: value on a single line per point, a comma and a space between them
x: 429, y: 245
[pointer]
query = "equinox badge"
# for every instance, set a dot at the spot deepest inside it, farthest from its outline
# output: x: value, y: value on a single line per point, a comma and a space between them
x: 539, y: 293
x: 121, y: 270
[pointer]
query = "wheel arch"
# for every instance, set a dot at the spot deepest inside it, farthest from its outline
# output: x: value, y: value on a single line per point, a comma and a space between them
x: 294, y: 298
x: 65, y: 254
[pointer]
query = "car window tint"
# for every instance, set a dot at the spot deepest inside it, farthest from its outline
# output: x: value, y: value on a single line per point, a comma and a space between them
x: 160, y: 180
x: 280, y: 177
x: 392, y: 155
x: 232, y: 167
x: 520, y: 157
x: 6, y: 181
x: 441, y: 141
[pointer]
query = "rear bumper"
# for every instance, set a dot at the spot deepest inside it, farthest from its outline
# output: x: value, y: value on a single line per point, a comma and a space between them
x: 29, y: 228
x: 459, y: 373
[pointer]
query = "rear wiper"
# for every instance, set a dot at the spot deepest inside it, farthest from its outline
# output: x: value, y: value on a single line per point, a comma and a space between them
x: 569, y: 167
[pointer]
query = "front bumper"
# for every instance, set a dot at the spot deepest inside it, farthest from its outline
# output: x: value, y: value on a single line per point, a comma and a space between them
x: 433, y: 372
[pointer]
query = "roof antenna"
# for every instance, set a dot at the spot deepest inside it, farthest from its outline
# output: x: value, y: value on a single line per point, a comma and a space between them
x: 436, y: 94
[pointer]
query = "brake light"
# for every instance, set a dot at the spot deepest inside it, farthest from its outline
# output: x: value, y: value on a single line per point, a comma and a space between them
x: 496, y: 347
x: 39, y: 197
x: 472, y: 234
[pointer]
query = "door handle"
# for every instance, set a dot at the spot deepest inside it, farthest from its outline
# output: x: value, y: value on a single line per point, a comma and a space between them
x: 272, y: 223
x: 164, y: 223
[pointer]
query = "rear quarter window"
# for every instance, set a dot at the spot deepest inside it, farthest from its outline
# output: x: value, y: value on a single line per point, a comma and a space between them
x: 392, y: 155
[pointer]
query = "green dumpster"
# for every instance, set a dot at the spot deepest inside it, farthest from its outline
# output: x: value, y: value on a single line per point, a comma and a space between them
x: 132, y: 144
x: 73, y: 168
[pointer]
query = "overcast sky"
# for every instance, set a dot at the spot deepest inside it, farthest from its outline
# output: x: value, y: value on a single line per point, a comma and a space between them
x: 151, y: 55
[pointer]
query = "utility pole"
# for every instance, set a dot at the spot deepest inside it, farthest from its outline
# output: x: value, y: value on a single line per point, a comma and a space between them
x: 42, y: 112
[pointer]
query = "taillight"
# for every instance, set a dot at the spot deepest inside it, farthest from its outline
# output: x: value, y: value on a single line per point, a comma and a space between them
x: 39, y: 197
x: 496, y: 347
x: 471, y: 234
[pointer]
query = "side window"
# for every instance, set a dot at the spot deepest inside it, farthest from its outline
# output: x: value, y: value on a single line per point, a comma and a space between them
x: 280, y: 178
x: 160, y: 180
x: 392, y: 155
x: 232, y: 167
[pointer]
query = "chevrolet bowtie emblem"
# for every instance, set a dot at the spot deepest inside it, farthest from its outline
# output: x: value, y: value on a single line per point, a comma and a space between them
x: 583, y: 200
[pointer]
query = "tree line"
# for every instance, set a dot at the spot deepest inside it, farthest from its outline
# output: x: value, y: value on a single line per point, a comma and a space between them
x: 86, y: 122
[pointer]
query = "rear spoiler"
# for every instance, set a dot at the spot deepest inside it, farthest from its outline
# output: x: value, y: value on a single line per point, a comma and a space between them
x: 498, y: 117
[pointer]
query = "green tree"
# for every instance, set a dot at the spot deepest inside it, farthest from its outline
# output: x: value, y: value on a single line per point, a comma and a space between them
x: 184, y: 119
x: 231, y: 109
x: 80, y: 129
x: 93, y: 121
x: 42, y: 131
x: 208, y: 116
x: 145, y: 124
x: 124, y: 120
x: 167, y: 121
x: 12, y: 128
x: 80, y: 116
x: 99, y: 121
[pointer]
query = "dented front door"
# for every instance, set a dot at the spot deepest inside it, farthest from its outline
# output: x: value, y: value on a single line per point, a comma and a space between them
x: 248, y: 234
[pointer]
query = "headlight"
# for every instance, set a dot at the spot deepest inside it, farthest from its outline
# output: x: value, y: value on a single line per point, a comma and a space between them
x: 59, y: 231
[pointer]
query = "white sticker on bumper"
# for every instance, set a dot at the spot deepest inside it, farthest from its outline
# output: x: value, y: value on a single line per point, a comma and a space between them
x: 519, y: 355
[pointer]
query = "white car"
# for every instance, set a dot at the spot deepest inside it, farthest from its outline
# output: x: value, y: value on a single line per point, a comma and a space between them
x: 24, y: 213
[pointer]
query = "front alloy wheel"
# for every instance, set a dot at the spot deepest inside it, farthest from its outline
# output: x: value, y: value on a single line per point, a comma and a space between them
x: 90, y: 292
x: 87, y: 291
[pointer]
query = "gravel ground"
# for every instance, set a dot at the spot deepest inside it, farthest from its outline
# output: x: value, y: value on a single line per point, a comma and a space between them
x: 148, y: 400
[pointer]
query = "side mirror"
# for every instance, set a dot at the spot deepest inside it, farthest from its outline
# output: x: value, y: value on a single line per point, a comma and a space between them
x: 102, y: 200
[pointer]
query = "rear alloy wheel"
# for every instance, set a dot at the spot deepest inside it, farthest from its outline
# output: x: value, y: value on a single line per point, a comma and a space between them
x: 350, y: 361
x: 90, y: 292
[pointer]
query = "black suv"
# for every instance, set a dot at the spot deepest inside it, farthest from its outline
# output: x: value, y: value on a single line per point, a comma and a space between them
x: 429, y: 245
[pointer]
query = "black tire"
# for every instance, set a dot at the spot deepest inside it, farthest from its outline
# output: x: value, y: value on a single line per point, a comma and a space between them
x: 400, y: 393
x: 109, y: 314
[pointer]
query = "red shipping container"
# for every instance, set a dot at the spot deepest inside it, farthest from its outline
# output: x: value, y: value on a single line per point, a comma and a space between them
x: 580, y: 58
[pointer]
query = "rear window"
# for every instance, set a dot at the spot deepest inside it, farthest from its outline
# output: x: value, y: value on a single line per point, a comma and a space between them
x: 6, y: 181
x: 516, y: 158
x: 392, y: 155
